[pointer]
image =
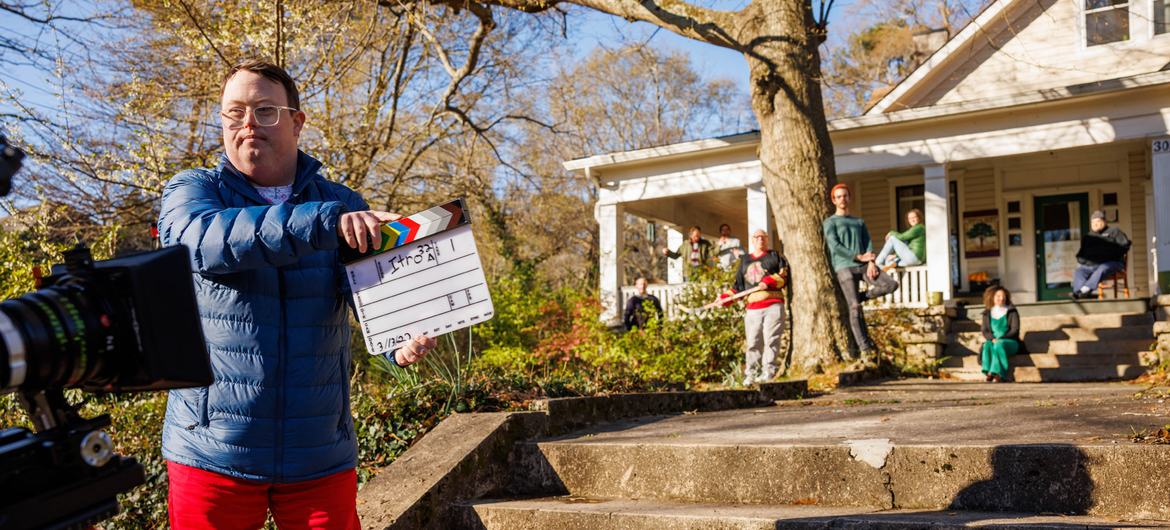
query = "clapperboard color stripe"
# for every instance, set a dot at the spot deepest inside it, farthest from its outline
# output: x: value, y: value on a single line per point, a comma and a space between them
x: 425, y: 279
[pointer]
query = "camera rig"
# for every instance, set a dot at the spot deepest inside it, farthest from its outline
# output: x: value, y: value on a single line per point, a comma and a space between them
x: 100, y: 326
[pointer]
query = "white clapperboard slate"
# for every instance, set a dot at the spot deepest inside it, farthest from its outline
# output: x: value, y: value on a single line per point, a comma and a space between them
x: 426, y: 279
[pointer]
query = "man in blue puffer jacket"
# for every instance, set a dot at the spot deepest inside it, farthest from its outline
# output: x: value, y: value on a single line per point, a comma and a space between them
x: 274, y: 431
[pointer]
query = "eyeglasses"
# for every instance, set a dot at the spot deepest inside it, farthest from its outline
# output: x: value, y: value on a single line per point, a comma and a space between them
x: 266, y: 116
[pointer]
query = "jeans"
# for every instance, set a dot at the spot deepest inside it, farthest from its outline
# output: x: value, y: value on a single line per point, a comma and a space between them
x: 850, y: 279
x: 906, y: 257
x: 1086, y: 277
x: 763, y: 327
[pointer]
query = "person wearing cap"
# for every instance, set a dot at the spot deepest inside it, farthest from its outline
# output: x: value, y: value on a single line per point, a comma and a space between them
x: 851, y: 253
x: 1102, y: 253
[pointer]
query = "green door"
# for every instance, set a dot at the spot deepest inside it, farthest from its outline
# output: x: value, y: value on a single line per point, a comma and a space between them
x: 1061, y: 220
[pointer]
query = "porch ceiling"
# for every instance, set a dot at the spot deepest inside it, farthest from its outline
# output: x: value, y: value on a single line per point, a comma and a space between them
x: 708, y: 210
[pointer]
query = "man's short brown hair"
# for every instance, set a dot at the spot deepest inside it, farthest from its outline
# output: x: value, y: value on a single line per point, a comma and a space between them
x: 269, y: 71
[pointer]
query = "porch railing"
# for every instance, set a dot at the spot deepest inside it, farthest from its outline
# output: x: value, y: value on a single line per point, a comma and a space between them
x: 912, y: 292
x: 912, y: 289
x: 668, y: 294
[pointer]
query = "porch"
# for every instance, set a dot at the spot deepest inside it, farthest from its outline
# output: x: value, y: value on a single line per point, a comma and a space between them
x: 912, y: 293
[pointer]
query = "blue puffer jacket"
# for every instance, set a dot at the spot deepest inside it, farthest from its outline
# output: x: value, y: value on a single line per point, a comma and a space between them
x: 272, y: 296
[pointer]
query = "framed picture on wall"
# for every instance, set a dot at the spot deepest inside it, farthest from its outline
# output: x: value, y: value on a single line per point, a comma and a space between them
x: 981, y: 234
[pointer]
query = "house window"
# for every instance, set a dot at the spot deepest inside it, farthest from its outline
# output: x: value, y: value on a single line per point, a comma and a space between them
x: 908, y: 198
x: 1106, y: 21
x: 1161, y: 17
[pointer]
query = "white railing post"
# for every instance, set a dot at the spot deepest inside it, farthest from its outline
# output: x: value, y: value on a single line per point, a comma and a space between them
x: 912, y: 289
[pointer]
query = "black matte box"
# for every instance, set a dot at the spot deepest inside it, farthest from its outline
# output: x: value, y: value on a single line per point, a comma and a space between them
x: 165, y: 346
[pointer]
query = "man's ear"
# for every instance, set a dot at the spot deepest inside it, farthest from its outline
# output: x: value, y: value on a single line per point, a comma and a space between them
x: 298, y: 123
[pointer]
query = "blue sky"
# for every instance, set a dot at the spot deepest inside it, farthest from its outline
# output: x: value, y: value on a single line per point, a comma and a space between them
x: 713, y: 61
x: 587, y: 27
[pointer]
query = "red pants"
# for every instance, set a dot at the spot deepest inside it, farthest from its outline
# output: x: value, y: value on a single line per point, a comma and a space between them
x: 203, y: 500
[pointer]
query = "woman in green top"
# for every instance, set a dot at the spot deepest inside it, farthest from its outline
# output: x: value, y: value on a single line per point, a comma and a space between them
x: 1001, y: 328
x: 909, y: 247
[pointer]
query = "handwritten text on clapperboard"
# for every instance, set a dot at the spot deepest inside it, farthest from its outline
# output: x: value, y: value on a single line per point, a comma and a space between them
x: 433, y: 286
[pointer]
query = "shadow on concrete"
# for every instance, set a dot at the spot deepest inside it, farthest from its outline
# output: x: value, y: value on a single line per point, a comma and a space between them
x: 943, y: 519
x: 1032, y: 478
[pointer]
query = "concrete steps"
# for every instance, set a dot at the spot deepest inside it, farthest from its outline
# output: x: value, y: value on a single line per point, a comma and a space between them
x: 900, y: 455
x: 871, y: 474
x: 587, y: 513
x: 1074, y: 346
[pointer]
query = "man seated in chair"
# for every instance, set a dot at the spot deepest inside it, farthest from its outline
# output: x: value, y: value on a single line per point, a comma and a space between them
x: 1102, y: 254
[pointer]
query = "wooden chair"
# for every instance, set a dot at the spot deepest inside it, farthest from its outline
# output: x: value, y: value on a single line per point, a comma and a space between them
x: 1120, y: 276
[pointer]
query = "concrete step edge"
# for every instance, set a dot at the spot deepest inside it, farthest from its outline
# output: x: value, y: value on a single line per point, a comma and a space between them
x: 571, y: 513
x: 1052, y: 478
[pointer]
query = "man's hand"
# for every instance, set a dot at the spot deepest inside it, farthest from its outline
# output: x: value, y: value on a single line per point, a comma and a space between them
x: 414, y: 350
x: 361, y: 229
x: 665, y: 251
x: 872, y: 271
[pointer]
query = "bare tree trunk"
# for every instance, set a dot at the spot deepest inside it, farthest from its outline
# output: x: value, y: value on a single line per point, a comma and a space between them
x: 796, y: 158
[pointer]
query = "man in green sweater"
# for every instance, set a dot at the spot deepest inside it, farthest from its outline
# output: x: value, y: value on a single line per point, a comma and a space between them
x: 851, y: 253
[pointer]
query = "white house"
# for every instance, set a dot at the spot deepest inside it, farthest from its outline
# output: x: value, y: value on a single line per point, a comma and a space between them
x: 1035, y: 114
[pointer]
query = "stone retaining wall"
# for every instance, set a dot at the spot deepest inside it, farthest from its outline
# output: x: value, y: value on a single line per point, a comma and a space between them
x: 1161, y: 351
x: 928, y: 339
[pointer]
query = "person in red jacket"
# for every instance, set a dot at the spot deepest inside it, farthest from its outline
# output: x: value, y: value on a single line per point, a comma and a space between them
x: 764, y: 318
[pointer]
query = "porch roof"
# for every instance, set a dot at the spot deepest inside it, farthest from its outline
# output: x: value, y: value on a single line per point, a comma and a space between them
x: 875, y: 134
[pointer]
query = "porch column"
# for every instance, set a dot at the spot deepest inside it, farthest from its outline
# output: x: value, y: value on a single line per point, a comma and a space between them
x: 674, y: 267
x: 757, y: 213
x: 1161, y: 180
x: 938, y: 230
x: 610, y: 240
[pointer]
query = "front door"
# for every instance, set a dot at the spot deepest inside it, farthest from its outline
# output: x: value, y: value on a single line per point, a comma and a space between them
x: 1061, y: 221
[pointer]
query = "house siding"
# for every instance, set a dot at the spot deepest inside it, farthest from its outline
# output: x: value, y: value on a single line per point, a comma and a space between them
x: 1139, y: 255
x: 875, y: 209
x: 1039, y: 45
x: 979, y: 188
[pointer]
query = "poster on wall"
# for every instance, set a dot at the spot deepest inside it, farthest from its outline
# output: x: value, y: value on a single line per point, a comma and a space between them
x: 981, y: 234
x: 1060, y: 260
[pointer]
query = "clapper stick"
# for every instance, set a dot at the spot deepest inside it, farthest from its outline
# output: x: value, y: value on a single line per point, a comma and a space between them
x: 425, y: 279
x: 722, y: 301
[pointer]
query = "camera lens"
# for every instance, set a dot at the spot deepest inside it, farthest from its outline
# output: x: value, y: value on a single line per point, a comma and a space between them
x: 54, y: 337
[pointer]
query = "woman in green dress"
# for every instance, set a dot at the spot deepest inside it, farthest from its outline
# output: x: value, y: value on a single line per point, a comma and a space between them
x: 1001, y: 328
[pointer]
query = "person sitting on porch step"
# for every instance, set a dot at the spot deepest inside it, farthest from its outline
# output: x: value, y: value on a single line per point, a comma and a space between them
x: 637, y: 312
x: 905, y: 249
x: 729, y: 248
x: 1001, y: 328
x: 1102, y: 253
x: 763, y: 321
x: 696, y: 252
x: 851, y: 252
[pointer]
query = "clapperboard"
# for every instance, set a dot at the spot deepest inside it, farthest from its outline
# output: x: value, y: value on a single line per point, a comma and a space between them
x: 425, y: 279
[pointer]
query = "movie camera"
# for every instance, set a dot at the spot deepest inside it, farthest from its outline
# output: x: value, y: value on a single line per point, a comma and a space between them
x: 128, y: 324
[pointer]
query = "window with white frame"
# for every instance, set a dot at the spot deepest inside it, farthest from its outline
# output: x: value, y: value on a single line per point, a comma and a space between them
x: 1106, y: 21
x: 1161, y: 17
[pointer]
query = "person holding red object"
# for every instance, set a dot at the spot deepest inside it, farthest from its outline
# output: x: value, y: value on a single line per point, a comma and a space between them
x: 763, y: 320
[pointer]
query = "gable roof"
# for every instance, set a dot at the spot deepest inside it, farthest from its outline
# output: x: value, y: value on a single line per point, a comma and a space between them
x: 964, y: 38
